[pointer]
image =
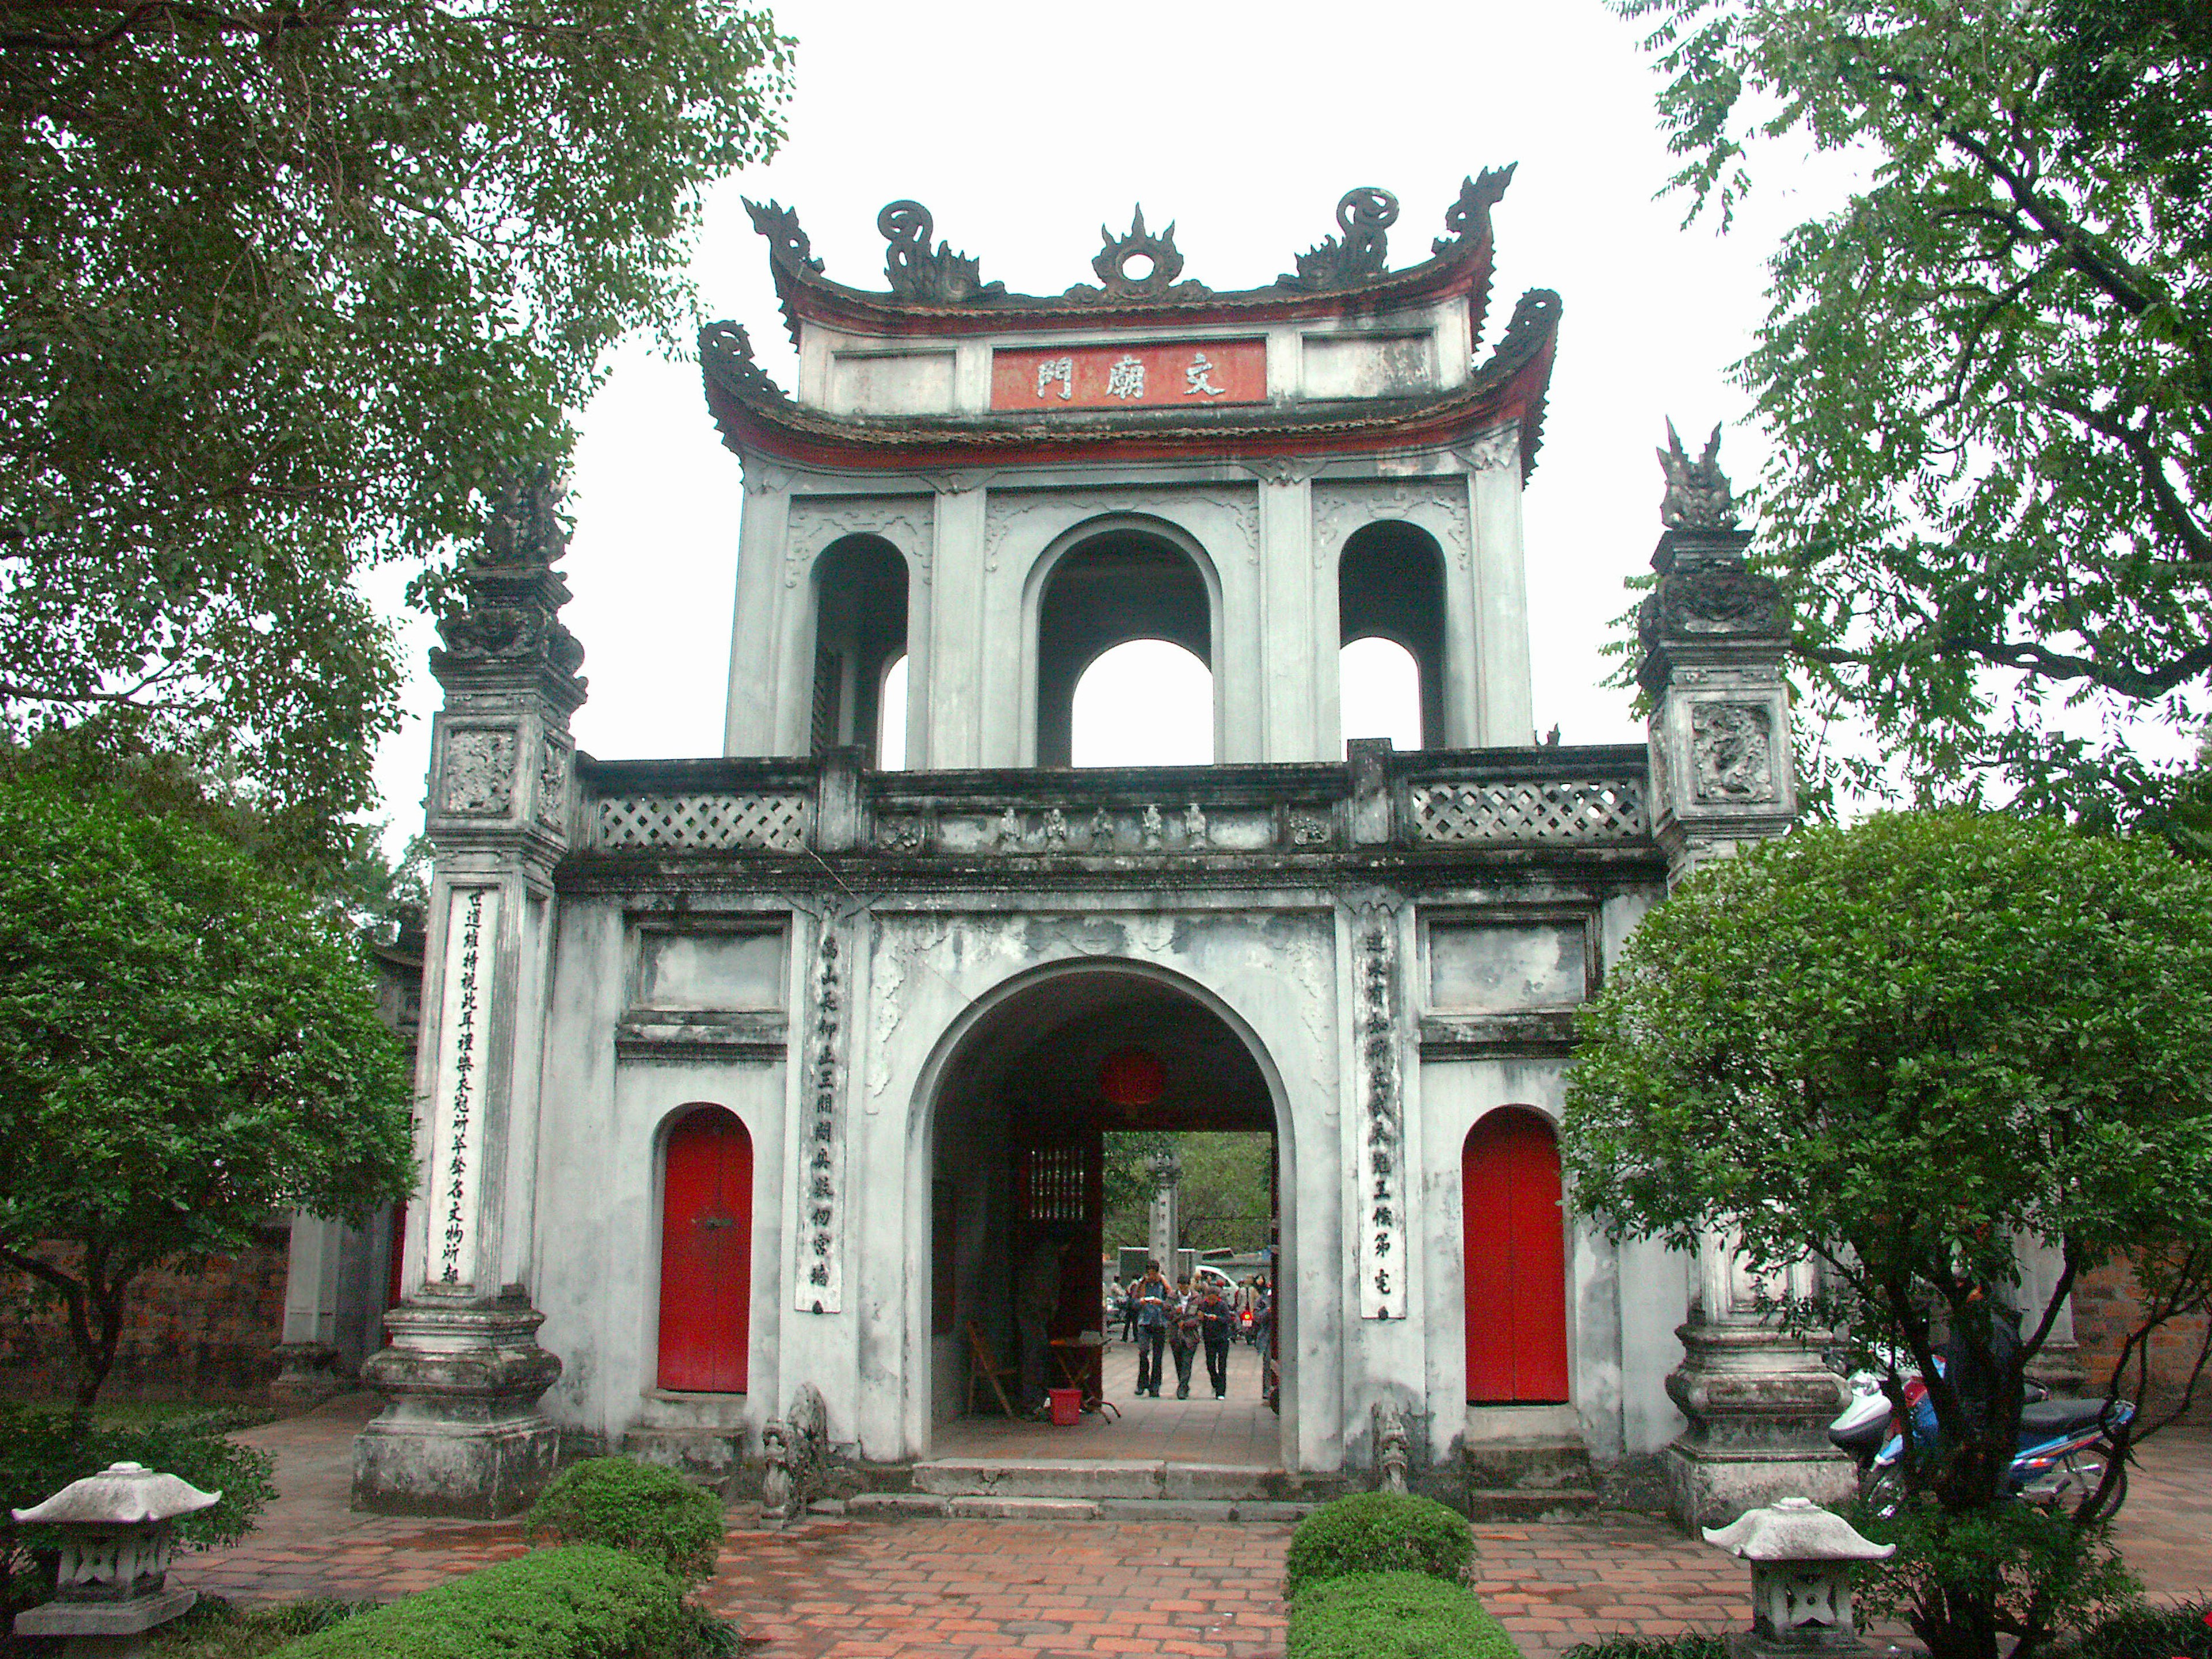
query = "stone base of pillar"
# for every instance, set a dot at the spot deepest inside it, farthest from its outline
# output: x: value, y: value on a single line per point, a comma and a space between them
x: 307, y: 1374
x: 2058, y: 1367
x: 463, y: 1435
x: 1759, y: 1404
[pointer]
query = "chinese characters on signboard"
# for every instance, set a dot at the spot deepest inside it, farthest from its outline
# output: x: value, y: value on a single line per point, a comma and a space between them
x: 1190, y: 374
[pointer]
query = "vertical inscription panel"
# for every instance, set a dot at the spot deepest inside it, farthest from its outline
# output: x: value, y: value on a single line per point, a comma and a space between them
x: 457, y: 1109
x: 1382, y: 1162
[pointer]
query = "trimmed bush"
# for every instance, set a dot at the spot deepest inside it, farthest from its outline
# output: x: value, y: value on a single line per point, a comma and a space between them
x: 638, y: 1507
x: 2182, y: 1632
x: 581, y: 1601
x: 1372, y: 1532
x: 1393, y: 1615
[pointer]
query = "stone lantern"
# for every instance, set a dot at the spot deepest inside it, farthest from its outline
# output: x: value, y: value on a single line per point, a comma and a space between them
x: 1801, y: 1558
x: 115, y: 1529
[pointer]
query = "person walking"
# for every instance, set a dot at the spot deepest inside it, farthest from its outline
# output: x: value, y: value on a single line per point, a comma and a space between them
x: 1150, y: 1299
x: 1183, y: 1337
x: 1214, y: 1320
x: 1125, y: 1307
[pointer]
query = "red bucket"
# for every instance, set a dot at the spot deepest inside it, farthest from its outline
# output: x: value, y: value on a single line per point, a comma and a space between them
x: 1066, y: 1406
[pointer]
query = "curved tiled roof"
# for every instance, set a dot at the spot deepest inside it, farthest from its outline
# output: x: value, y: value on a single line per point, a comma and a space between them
x: 755, y: 416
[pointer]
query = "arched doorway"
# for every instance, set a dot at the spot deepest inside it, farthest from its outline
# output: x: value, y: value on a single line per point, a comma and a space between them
x: 1516, y: 1276
x: 1027, y: 1097
x: 705, y: 1253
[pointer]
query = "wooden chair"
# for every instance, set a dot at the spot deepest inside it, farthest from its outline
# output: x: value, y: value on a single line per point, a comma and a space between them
x: 984, y: 1367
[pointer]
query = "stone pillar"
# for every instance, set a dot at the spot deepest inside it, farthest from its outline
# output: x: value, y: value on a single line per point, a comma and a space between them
x: 1167, y: 1211
x: 461, y: 1433
x: 308, y: 1356
x: 1722, y: 774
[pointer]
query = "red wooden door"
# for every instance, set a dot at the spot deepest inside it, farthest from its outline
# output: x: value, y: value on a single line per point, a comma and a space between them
x: 1516, y: 1288
x: 705, y: 1254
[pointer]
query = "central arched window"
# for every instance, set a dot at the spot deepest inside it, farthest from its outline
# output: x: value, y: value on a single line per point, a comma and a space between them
x: 1123, y: 584
x: 1146, y: 702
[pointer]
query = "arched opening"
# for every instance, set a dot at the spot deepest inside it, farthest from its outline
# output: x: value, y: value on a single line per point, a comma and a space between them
x: 705, y: 1253
x: 1517, y: 1271
x: 1380, y: 691
x: 1144, y: 702
x: 860, y: 630
x: 1027, y: 1104
x: 1122, y: 584
x: 1390, y: 586
x: 891, y: 722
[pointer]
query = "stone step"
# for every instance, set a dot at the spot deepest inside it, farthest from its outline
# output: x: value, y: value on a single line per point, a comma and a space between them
x: 1525, y: 1466
x: 1529, y: 1504
x: 981, y: 1508
x: 1103, y: 1478
x: 908, y: 1506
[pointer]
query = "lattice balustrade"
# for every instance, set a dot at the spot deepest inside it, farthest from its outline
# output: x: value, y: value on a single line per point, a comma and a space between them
x: 1610, y: 811
x: 704, y: 824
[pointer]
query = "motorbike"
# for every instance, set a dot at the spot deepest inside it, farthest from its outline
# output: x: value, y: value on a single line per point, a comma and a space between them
x: 2064, y: 1445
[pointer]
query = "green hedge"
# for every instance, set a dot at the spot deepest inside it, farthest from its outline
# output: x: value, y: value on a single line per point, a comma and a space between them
x: 2179, y: 1633
x: 637, y: 1507
x: 1374, y: 1532
x: 581, y: 1601
x: 1393, y: 1615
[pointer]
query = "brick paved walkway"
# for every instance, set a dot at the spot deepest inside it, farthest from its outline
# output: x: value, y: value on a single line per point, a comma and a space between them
x: 996, y: 1589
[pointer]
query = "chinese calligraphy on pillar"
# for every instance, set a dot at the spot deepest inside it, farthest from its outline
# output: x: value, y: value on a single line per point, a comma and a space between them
x: 462, y: 1036
x: 820, y: 1279
x: 1382, y: 1224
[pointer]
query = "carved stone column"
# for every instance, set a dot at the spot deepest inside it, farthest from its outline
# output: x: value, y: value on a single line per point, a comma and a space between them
x: 461, y: 1433
x: 1722, y: 774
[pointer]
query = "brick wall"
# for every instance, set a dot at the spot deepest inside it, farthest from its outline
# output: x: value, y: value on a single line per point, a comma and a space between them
x: 204, y: 1335
x: 2106, y: 1307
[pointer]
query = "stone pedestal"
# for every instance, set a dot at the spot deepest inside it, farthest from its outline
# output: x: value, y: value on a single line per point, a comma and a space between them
x: 463, y: 1435
x: 1759, y: 1404
x: 307, y: 1374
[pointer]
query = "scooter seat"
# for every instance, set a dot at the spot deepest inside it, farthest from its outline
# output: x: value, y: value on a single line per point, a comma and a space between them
x: 2047, y: 1420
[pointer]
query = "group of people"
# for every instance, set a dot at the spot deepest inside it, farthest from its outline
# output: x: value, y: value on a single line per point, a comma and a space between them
x: 1179, y: 1320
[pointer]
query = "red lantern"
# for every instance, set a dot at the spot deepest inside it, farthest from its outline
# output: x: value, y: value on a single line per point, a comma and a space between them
x: 1131, y: 1076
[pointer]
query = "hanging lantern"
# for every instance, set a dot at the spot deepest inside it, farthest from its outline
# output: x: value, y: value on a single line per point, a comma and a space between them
x: 1131, y: 1076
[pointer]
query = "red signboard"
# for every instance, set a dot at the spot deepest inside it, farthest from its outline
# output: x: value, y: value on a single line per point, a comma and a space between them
x: 1188, y: 373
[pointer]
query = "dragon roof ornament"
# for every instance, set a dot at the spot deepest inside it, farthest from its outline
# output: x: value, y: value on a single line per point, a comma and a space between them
x: 1364, y: 216
x: 941, y: 278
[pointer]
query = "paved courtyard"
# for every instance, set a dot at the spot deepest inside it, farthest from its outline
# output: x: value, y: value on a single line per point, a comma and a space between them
x: 942, y: 1589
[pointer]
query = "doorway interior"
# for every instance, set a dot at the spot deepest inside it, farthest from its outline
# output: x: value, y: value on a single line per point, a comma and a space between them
x: 1019, y: 1194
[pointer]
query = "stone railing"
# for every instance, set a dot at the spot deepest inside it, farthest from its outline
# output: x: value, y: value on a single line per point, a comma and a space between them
x: 1379, y: 800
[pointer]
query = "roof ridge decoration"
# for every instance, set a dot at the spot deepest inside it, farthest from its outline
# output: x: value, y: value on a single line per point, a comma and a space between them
x: 787, y: 243
x: 941, y: 278
x: 1111, y: 262
x: 1364, y: 214
x: 1467, y: 219
x: 937, y: 288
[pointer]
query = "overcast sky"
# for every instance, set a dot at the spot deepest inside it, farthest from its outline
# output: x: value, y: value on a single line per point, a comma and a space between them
x: 1022, y: 126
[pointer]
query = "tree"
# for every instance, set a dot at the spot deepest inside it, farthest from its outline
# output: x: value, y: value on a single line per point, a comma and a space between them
x: 1988, y: 376
x: 1897, y: 1050
x: 282, y: 288
x: 186, y: 1046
